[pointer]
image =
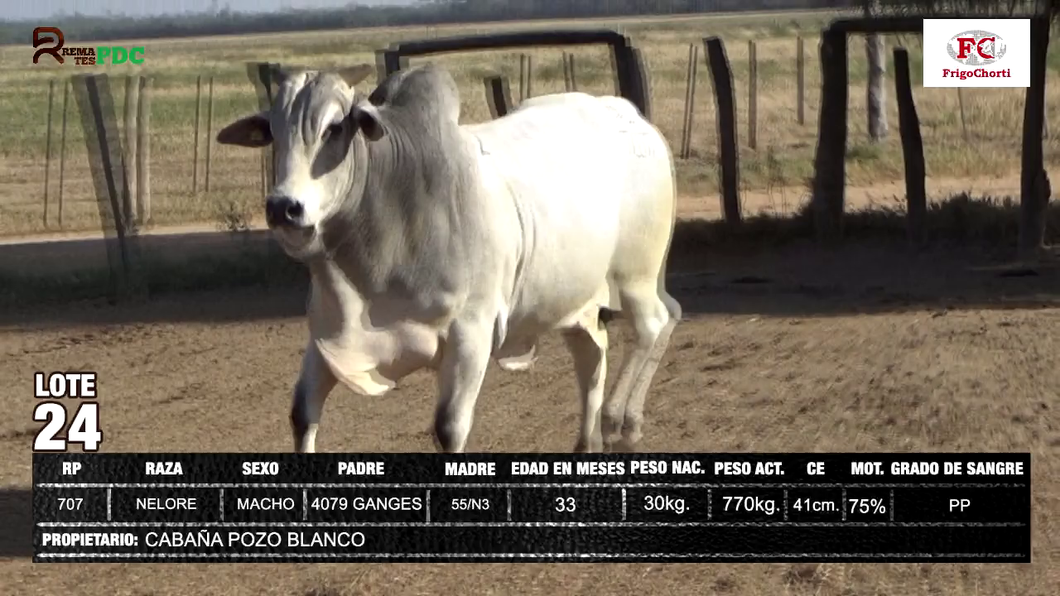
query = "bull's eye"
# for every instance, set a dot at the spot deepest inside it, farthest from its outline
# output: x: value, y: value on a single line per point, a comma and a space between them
x: 332, y: 131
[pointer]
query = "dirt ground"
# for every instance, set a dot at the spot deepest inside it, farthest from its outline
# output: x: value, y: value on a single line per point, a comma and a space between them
x: 864, y: 349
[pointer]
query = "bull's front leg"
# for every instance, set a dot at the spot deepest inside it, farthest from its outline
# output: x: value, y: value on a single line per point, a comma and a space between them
x: 315, y: 382
x: 465, y: 359
x: 587, y: 343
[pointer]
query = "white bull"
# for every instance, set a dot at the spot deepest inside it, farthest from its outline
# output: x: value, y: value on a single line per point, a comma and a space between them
x: 438, y: 245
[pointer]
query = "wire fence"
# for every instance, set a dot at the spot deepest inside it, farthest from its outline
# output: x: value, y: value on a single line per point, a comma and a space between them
x: 163, y: 120
x: 195, y: 181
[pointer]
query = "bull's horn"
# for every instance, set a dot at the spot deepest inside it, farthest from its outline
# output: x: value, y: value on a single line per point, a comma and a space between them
x: 355, y: 74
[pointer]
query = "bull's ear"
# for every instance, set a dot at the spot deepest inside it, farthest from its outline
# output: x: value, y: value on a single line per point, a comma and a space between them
x: 251, y: 131
x: 366, y: 117
x: 355, y: 74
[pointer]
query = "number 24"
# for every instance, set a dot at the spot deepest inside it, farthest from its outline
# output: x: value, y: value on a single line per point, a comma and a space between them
x: 84, y: 428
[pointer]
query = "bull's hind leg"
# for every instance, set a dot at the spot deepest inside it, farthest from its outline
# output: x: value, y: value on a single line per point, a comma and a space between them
x: 315, y: 382
x: 588, y: 347
x: 652, y: 318
x: 633, y: 419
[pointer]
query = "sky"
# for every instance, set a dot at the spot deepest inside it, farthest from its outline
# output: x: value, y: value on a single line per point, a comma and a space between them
x: 42, y: 9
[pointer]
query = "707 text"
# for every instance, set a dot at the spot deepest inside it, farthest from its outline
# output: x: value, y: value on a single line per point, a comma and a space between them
x: 70, y: 503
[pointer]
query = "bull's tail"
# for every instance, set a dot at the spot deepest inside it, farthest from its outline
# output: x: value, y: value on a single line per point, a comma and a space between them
x: 672, y: 306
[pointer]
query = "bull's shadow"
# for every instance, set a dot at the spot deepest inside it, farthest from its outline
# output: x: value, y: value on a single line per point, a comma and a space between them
x: 711, y: 272
x: 867, y: 277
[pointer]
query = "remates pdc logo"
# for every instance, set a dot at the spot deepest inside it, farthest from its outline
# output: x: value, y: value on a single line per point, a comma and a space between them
x: 976, y: 48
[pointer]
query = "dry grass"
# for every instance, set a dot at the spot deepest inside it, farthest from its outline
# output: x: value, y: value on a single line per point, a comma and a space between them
x: 783, y: 158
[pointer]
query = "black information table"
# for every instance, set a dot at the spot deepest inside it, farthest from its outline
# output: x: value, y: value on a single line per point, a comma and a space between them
x: 956, y: 507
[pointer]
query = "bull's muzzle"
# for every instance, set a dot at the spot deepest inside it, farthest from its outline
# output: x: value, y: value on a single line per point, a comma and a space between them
x: 283, y: 212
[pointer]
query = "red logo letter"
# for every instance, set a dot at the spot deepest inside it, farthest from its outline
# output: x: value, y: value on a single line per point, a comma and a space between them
x: 58, y: 41
x: 979, y: 48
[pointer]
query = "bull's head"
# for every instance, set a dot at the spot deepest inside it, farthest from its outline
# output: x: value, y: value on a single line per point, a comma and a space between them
x: 312, y: 123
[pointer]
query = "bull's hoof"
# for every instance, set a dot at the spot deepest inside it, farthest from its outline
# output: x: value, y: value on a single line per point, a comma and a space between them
x: 510, y: 366
x: 631, y: 430
x: 594, y: 445
x: 606, y: 315
x: 621, y: 446
x: 610, y: 427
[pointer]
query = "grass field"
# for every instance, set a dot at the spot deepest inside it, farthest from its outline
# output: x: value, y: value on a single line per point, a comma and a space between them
x: 783, y: 158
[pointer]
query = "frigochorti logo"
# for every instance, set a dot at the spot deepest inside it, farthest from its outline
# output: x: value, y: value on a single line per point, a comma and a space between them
x: 980, y: 53
x: 975, y: 49
x: 54, y: 45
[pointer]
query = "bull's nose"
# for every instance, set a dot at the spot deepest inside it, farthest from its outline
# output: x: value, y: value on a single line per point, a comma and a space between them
x: 283, y: 211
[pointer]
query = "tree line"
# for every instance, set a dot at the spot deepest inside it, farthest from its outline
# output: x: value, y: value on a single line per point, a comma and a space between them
x: 425, y: 12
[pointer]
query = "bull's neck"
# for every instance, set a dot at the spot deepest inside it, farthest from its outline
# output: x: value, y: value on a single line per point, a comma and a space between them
x: 338, y: 229
x: 375, y: 235
x: 392, y: 164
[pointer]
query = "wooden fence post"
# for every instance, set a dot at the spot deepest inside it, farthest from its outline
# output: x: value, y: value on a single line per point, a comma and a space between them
x: 143, y: 154
x: 800, y: 80
x: 62, y: 149
x: 634, y: 79
x: 566, y: 74
x: 198, y: 120
x: 522, y: 77
x: 912, y: 149
x: 48, y: 149
x: 529, y: 77
x: 264, y: 174
x: 498, y: 95
x: 690, y: 100
x: 752, y: 95
x: 573, y: 79
x: 725, y: 104
x: 1034, y: 181
x: 209, y: 134
x: 964, y: 122
x: 99, y: 121
x: 829, y: 185
x: 569, y: 81
x: 876, y: 87
x: 130, y: 161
